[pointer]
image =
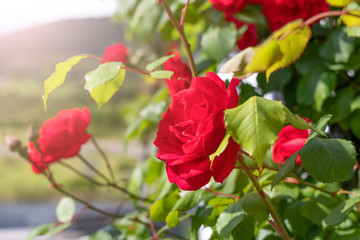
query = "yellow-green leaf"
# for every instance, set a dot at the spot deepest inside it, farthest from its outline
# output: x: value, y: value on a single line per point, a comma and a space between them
x: 338, y: 3
x: 264, y: 56
x: 351, y: 20
x: 58, y: 77
x: 292, y: 44
x: 103, y: 93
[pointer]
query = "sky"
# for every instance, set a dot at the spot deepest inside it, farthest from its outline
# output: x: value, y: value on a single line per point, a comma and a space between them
x: 16, y: 15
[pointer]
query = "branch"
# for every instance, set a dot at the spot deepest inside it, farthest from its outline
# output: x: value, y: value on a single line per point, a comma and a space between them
x: 282, y: 231
x: 322, y: 15
x: 183, y: 13
x: 221, y: 194
x: 183, y: 37
x: 105, y: 159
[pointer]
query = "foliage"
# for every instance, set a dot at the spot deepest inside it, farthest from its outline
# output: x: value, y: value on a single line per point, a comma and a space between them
x: 310, y: 64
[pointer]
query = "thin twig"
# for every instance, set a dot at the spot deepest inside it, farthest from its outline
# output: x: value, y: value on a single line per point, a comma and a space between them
x: 153, y: 230
x: 182, y: 35
x: 183, y: 13
x: 105, y: 159
x: 324, y: 15
x: 90, y: 179
x: 221, y: 194
x: 89, y: 165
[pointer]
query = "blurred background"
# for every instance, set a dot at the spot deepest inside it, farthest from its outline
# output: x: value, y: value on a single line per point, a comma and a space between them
x: 35, y: 35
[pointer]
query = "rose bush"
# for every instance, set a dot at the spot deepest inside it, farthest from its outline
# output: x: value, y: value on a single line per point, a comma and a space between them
x: 290, y: 140
x: 192, y: 129
x: 60, y: 137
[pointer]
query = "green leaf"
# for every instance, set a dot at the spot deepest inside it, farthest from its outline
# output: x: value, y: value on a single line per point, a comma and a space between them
x: 339, y: 106
x: 39, y: 231
x: 102, y: 74
x: 103, y: 93
x: 229, y: 218
x: 158, y: 62
x: 338, y: 47
x: 217, y: 42
x: 188, y: 201
x: 161, y: 208
x: 65, y: 210
x: 277, y: 81
x: 161, y: 74
x: 355, y: 104
x: 315, y: 86
x: 354, y: 123
x: 295, y: 121
x: 58, y: 228
x: 299, y: 224
x: 353, y: 31
x: 340, y: 213
x: 154, y: 170
x: 320, y: 125
x: 328, y: 160
x: 292, y: 44
x: 254, y: 205
x: 219, y: 205
x: 245, y: 230
x: 255, y: 125
x: 221, y: 148
x: 58, y: 77
x: 285, y: 169
x: 172, y: 219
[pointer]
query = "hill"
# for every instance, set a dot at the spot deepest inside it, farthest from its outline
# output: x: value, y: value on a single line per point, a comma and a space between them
x: 34, y: 52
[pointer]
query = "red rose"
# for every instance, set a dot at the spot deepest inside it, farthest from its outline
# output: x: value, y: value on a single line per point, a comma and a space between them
x: 115, y: 53
x: 232, y: 6
x: 192, y: 129
x: 60, y: 137
x: 289, y: 141
x: 182, y: 75
x: 280, y: 12
x: 249, y: 38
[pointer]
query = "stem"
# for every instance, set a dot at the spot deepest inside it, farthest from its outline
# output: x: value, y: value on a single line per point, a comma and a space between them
x: 282, y: 231
x: 324, y: 15
x: 93, y: 168
x: 183, y: 13
x: 82, y: 174
x: 105, y: 159
x: 310, y: 184
x: 153, y: 230
x: 183, y: 38
x: 123, y: 66
x: 221, y: 194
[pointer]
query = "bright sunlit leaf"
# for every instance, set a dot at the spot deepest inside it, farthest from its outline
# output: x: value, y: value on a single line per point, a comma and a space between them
x: 255, y: 125
x: 58, y: 77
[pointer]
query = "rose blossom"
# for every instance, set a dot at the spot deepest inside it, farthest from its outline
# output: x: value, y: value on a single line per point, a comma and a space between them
x: 192, y: 129
x: 280, y: 12
x: 182, y: 75
x: 289, y: 141
x: 60, y: 137
x: 249, y: 38
x: 232, y: 6
x: 115, y: 53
